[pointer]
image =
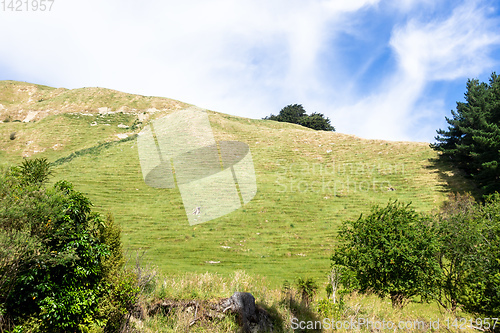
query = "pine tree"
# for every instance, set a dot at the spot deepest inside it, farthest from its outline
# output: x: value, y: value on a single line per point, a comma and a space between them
x: 472, y: 141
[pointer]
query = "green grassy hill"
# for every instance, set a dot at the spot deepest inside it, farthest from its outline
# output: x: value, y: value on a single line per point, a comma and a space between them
x: 308, y: 181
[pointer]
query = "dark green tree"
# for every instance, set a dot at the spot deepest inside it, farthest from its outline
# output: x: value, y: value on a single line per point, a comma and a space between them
x: 472, y: 140
x: 480, y: 294
x: 459, y: 233
x: 317, y: 121
x: 290, y: 114
x: 391, y: 252
x: 59, y: 261
x: 469, y: 255
x: 59, y: 281
x: 295, y: 114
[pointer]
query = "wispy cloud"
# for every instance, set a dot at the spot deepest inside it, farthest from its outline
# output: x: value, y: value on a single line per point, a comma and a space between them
x: 454, y: 47
x: 448, y: 49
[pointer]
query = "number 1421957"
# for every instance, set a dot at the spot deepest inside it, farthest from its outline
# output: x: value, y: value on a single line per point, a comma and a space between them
x: 26, y: 5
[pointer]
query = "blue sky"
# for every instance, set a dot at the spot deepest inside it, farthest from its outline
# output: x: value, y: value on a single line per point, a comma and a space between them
x: 380, y: 69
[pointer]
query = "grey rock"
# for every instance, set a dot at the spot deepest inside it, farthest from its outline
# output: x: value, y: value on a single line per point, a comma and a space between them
x: 251, y: 318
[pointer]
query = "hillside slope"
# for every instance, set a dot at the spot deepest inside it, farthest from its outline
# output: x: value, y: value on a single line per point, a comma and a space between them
x: 308, y: 181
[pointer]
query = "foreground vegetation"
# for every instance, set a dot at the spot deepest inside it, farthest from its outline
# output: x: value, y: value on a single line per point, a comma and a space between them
x: 60, y: 263
x: 452, y: 258
x: 62, y: 270
x: 284, y: 304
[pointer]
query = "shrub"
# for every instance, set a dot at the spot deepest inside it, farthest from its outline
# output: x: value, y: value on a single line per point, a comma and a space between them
x: 118, y: 301
x: 458, y: 232
x: 391, y: 252
x: 330, y: 309
x: 307, y: 288
x: 34, y: 172
x: 469, y: 255
x: 61, y: 265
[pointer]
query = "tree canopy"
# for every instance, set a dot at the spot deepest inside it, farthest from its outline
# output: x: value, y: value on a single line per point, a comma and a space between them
x: 60, y: 262
x: 391, y: 252
x: 472, y: 141
x: 295, y: 114
x: 451, y: 257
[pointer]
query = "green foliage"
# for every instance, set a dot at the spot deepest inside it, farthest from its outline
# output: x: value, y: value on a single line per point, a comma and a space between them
x: 119, y: 299
x: 60, y: 263
x: 61, y: 286
x: 295, y: 114
x: 34, y: 172
x: 482, y: 294
x: 472, y: 141
x: 330, y: 309
x: 110, y: 235
x: 452, y: 258
x: 459, y: 233
x: 290, y: 114
x: 16, y: 249
x: 470, y: 252
x: 121, y: 288
x: 317, y: 121
x: 307, y: 288
x: 391, y: 251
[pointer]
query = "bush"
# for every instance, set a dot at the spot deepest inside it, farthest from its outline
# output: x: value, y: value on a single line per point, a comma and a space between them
x: 118, y: 301
x: 61, y: 265
x: 307, y: 288
x: 452, y: 257
x: 61, y: 286
x: 390, y: 252
x: 34, y: 172
x: 469, y: 255
x: 330, y: 309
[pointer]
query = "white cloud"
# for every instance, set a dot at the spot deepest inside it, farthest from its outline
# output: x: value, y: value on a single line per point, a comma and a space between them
x: 449, y: 49
x: 454, y: 47
x: 407, y: 5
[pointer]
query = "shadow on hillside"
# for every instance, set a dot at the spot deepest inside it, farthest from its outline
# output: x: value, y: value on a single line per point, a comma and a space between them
x: 452, y: 179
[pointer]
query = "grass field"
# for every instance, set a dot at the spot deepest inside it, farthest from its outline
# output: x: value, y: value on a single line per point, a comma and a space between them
x: 308, y: 181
